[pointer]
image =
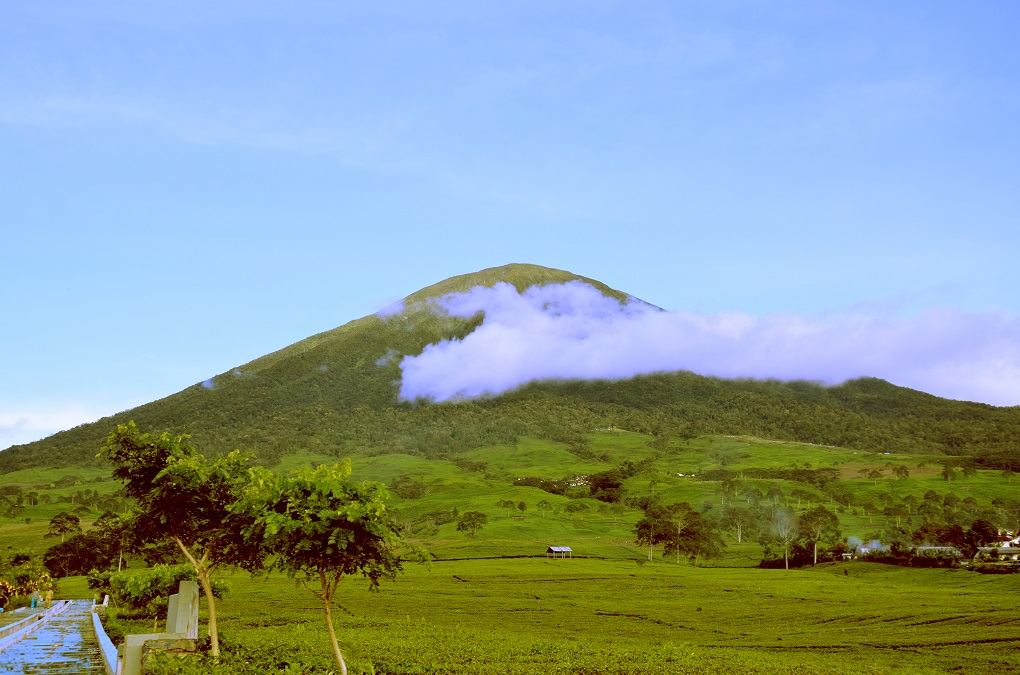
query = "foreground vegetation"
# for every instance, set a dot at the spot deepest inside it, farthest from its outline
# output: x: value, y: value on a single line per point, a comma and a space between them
x: 488, y: 604
x: 619, y: 616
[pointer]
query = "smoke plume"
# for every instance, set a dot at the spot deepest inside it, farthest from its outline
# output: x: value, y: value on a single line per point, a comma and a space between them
x: 572, y: 331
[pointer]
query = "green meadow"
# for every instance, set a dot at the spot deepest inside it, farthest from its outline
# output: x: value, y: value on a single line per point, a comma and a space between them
x: 590, y: 615
x: 495, y: 603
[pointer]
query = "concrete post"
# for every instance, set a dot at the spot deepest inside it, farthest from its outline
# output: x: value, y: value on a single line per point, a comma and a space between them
x: 186, y: 620
x: 171, y: 613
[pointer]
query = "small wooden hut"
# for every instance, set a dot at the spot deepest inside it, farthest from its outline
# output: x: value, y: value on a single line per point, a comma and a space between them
x: 559, y: 552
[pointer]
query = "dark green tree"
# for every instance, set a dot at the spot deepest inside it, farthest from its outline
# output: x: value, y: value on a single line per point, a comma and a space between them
x: 63, y: 524
x: 651, y: 530
x: 820, y: 524
x: 78, y: 555
x: 186, y: 498
x: 682, y: 531
x: 112, y: 534
x: 471, y: 522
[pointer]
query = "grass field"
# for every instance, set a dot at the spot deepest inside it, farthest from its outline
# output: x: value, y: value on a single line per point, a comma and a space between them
x: 618, y: 616
x: 493, y: 604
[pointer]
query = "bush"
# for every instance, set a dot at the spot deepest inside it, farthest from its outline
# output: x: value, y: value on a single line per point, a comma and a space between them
x: 146, y: 592
x: 995, y: 568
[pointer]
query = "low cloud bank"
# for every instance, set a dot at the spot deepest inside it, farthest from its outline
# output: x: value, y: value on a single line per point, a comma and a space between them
x: 572, y: 331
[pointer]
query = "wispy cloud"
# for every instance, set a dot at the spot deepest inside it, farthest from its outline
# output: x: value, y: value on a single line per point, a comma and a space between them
x: 27, y: 425
x: 571, y: 331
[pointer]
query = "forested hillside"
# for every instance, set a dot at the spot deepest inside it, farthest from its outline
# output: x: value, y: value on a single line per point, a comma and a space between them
x: 335, y: 393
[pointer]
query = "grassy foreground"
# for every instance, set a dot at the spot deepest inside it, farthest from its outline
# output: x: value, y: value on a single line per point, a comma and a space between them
x: 616, y: 616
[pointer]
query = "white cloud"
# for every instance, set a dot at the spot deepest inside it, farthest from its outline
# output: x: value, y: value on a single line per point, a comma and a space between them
x: 571, y: 331
x: 24, y: 426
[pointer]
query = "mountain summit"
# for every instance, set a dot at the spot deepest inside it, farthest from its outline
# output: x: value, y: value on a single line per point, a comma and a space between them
x: 339, y: 393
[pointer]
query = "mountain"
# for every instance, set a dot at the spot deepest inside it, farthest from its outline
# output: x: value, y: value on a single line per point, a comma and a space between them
x: 336, y: 393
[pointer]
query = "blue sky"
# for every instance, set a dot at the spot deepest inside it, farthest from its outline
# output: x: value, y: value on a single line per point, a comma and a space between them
x: 188, y: 186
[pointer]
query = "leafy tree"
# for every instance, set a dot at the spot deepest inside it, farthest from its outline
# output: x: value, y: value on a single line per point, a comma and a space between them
x: 983, y: 533
x: 607, y: 486
x: 78, y: 555
x: 901, y: 471
x: 63, y: 524
x: 650, y: 530
x: 522, y: 507
x: 186, y: 498
x: 544, y: 506
x: 471, y: 522
x: 677, y: 516
x: 782, y: 530
x: 752, y: 494
x: 897, y: 511
x: 682, y: 531
x: 820, y: 524
x: 739, y: 519
x: 321, y: 527
x: 576, y: 506
x: 112, y: 534
x: 507, y: 505
x: 700, y: 539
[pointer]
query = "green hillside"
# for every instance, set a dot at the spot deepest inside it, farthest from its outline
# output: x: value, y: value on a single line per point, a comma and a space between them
x: 335, y: 394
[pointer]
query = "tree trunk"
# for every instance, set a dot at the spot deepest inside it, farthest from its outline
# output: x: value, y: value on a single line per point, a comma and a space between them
x: 214, y: 633
x: 203, y: 573
x: 739, y: 530
x: 816, y: 553
x: 786, y: 554
x: 327, y: 604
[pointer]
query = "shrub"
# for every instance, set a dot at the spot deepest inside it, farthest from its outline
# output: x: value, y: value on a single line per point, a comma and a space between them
x: 995, y: 568
x: 146, y: 592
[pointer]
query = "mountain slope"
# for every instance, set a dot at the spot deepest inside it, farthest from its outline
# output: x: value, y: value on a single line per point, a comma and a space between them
x: 336, y: 393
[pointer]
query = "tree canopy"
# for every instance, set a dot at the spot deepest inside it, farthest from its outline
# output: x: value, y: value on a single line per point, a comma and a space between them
x: 322, y: 527
x: 185, y: 497
x: 681, y: 530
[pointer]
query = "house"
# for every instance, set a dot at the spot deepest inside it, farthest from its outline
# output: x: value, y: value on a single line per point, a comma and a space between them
x: 938, y: 551
x: 559, y: 552
x: 1002, y: 553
